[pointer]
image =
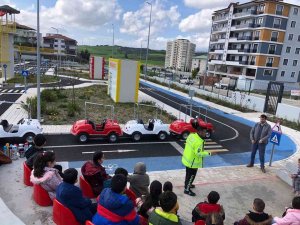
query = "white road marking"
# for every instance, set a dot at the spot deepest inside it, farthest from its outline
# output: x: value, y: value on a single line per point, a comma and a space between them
x: 91, y: 145
x: 119, y: 151
x: 218, y: 150
x: 11, y: 90
x: 213, y: 146
x: 177, y: 147
x: 228, y: 139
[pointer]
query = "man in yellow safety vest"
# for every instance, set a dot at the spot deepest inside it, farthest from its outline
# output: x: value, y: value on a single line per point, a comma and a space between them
x: 192, y: 157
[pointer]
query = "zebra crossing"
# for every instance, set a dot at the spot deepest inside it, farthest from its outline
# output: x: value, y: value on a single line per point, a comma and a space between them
x: 12, y: 91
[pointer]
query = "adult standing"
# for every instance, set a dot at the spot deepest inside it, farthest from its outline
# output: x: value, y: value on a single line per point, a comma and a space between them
x: 259, y: 136
x: 192, y: 157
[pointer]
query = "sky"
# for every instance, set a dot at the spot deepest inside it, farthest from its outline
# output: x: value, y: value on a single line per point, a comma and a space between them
x: 91, y: 22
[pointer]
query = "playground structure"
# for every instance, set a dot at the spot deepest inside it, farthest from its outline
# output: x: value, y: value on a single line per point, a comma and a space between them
x: 7, y: 31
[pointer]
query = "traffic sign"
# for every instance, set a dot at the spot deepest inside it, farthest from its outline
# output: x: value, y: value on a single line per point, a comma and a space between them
x: 25, y: 73
x: 4, y: 66
x: 275, y: 137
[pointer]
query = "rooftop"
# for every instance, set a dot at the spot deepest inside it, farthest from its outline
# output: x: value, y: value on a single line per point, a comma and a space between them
x: 200, y: 57
x: 7, y: 9
x: 54, y: 36
x: 23, y: 27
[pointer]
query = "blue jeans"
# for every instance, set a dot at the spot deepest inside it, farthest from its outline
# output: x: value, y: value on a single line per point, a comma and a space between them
x: 261, y: 150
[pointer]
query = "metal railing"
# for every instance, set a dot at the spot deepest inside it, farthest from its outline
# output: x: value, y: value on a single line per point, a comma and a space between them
x: 137, y: 110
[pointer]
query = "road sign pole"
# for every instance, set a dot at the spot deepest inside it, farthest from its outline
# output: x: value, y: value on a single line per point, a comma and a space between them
x: 4, y: 74
x: 25, y: 84
x: 272, y: 153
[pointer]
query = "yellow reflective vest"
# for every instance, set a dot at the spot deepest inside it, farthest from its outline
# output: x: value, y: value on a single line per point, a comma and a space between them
x: 194, y: 151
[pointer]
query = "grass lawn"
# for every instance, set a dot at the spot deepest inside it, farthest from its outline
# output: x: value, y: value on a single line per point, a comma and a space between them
x: 156, y: 57
x: 57, y: 107
x: 73, y: 73
x: 32, y: 79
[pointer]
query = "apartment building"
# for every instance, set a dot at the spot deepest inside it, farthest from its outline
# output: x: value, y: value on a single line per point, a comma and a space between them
x: 179, y: 54
x: 259, y: 39
x: 25, y: 36
x: 199, y: 62
x: 61, y: 44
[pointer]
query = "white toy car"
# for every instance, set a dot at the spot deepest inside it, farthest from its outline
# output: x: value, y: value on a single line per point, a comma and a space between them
x: 136, y: 129
x: 25, y: 128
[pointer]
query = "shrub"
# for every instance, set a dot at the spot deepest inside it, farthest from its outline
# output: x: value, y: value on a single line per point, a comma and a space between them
x: 52, y: 111
x: 49, y: 95
x: 31, y: 106
x: 72, y: 109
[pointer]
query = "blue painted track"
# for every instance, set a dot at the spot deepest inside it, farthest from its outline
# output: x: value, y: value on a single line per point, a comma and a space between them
x: 287, y: 148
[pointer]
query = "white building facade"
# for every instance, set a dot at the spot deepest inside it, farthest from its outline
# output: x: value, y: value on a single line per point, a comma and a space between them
x: 179, y: 54
x: 199, y: 62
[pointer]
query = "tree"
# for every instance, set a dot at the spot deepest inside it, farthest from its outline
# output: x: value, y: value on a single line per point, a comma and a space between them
x: 195, y: 72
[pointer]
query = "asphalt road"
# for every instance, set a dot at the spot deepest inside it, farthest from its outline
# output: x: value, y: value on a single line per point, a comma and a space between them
x: 233, y: 135
x: 7, y: 97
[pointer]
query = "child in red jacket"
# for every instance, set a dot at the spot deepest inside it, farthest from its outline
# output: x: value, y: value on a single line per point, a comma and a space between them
x: 204, y: 209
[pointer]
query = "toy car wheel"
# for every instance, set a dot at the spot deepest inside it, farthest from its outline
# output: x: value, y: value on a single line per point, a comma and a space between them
x: 185, y: 135
x: 29, y: 137
x: 112, y: 137
x: 162, y: 136
x: 83, y: 137
x: 136, y: 136
x: 208, y: 134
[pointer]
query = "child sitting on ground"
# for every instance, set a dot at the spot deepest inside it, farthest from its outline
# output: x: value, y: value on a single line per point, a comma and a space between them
x: 257, y: 216
x: 168, y: 186
x: 296, y: 180
x: 292, y: 215
x: 204, y: 209
x: 139, y: 180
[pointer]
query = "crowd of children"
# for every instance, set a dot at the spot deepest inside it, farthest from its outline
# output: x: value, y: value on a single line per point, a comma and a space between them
x: 143, y: 202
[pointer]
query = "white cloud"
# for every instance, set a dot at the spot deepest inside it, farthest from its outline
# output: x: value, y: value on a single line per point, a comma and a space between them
x: 136, y: 23
x: 198, y: 21
x: 80, y: 14
x: 201, y: 4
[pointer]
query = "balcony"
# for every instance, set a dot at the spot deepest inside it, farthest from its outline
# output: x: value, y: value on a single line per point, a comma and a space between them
x: 274, y: 38
x: 220, y: 19
x: 243, y: 62
x: 256, y: 38
x: 277, y: 26
x: 253, y: 50
x: 244, y: 38
x: 219, y: 29
x: 244, y: 50
x: 278, y: 12
x: 248, y: 13
x: 252, y: 63
x: 271, y: 52
x: 269, y: 64
x: 260, y: 11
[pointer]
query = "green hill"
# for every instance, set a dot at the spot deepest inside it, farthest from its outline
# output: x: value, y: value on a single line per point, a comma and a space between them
x: 156, y: 57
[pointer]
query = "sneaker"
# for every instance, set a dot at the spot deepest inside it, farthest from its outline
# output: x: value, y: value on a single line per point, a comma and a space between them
x: 190, y: 193
x: 192, y: 186
x: 263, y: 170
x: 250, y: 165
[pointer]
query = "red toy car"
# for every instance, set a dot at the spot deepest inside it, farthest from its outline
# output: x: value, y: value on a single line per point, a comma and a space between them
x: 86, y: 129
x: 182, y: 128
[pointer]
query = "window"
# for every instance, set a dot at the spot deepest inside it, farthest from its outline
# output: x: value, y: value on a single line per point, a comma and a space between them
x: 291, y: 37
x: 274, y: 36
x: 296, y: 11
x: 295, y: 62
x: 297, y: 51
x: 56, y: 46
x: 298, y: 37
x: 259, y: 20
x: 285, y: 62
x: 277, y: 23
x: 293, y: 24
x: 269, y: 61
x: 279, y: 9
x: 293, y: 74
x: 272, y: 49
x: 268, y: 72
x: 282, y: 73
x: 288, y: 49
x: 256, y: 35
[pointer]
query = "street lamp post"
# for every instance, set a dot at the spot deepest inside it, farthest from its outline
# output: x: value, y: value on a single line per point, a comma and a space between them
x: 38, y: 71
x: 57, y: 51
x: 148, y: 39
x: 113, y: 41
